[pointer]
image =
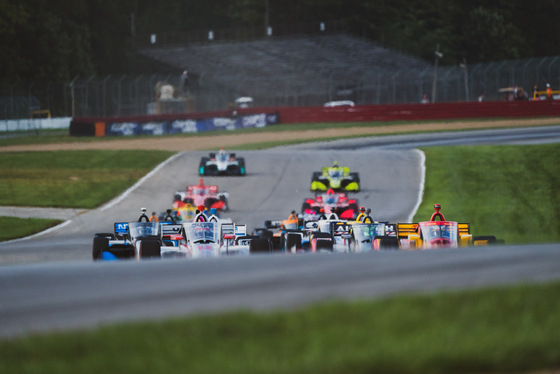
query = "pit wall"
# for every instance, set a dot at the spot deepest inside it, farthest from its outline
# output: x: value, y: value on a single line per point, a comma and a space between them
x: 260, y: 117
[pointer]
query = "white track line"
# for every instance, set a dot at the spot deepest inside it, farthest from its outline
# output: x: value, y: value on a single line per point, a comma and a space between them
x: 125, y: 194
x: 421, y: 187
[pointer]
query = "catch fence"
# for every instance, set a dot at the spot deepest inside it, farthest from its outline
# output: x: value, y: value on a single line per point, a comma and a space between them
x: 127, y: 95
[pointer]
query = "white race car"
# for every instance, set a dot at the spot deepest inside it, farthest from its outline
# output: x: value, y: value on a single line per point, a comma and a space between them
x: 202, y: 239
x: 222, y: 163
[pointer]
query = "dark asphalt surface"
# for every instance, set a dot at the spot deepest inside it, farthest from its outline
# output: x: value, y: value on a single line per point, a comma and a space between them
x: 49, y: 282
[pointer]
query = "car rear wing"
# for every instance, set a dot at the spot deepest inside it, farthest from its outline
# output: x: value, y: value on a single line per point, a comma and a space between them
x: 345, y: 170
x: 228, y: 230
x: 405, y: 229
x: 275, y: 224
x: 340, y: 228
x: 121, y: 229
x: 212, y: 190
x: 464, y: 228
x: 168, y: 229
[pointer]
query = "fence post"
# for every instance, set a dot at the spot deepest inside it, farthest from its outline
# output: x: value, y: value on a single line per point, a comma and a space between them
x: 72, y: 94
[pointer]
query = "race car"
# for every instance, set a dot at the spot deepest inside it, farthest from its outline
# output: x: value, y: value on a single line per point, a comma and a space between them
x: 330, y: 202
x: 438, y: 233
x: 221, y: 163
x: 203, y: 239
x: 374, y: 236
x: 335, y: 177
x: 130, y: 240
x: 201, y: 194
x: 140, y: 240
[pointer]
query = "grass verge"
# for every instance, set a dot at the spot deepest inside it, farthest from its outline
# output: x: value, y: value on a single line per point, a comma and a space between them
x: 495, y: 330
x: 71, y: 179
x: 507, y: 191
x: 13, y: 227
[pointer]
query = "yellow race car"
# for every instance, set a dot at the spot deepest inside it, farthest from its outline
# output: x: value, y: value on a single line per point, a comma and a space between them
x: 337, y: 178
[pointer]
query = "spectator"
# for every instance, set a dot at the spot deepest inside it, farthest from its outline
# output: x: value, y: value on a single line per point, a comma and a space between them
x: 548, y: 92
x: 185, y: 83
x: 535, y: 92
x: 154, y: 218
x: 425, y: 99
x: 480, y: 98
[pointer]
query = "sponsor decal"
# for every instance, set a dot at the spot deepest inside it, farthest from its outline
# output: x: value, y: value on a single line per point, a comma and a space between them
x: 187, y: 126
x: 124, y: 129
x: 153, y: 128
x: 222, y: 123
x: 191, y: 126
x: 254, y: 120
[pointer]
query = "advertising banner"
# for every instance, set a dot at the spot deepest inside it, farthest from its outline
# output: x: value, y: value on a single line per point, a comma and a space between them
x: 191, y: 126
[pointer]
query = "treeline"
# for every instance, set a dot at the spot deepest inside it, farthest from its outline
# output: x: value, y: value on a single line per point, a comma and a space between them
x: 57, y: 40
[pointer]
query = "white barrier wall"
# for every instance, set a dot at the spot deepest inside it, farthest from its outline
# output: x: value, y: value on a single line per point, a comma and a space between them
x: 35, y: 124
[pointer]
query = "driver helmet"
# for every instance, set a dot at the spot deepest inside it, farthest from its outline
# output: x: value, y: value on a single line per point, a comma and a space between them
x: 362, y: 209
x: 335, y: 164
x: 213, y: 211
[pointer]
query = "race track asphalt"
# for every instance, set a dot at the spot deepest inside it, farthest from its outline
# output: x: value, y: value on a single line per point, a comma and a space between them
x: 49, y: 281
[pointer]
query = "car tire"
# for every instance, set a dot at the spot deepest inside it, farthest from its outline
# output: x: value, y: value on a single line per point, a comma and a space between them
x: 202, y: 166
x: 491, y: 239
x: 100, y: 244
x: 242, y: 170
x: 259, y: 245
x: 149, y: 249
x: 293, y: 240
x: 388, y: 243
x: 323, y: 245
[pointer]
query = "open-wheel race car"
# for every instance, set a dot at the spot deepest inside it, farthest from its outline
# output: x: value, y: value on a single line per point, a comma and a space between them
x: 330, y: 202
x: 222, y: 163
x: 201, y: 194
x: 130, y: 240
x: 335, y: 177
x: 211, y: 237
x: 439, y: 233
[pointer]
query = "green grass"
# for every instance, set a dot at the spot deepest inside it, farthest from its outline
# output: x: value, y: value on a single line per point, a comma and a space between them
x: 13, y: 227
x: 507, y: 191
x: 71, y: 179
x: 485, y: 331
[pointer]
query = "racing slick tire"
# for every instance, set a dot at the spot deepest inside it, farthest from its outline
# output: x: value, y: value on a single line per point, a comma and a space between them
x: 226, y: 203
x: 388, y: 243
x: 209, y: 202
x: 490, y: 239
x: 293, y: 240
x: 356, y: 178
x: 100, y: 244
x: 241, y: 162
x: 202, y: 166
x: 323, y: 245
x: 259, y: 245
x: 149, y: 248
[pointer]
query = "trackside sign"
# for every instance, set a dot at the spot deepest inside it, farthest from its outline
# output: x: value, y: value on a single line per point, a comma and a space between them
x: 190, y: 126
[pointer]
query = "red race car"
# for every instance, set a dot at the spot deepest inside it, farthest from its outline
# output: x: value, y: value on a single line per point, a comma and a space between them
x: 330, y: 202
x: 201, y: 194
